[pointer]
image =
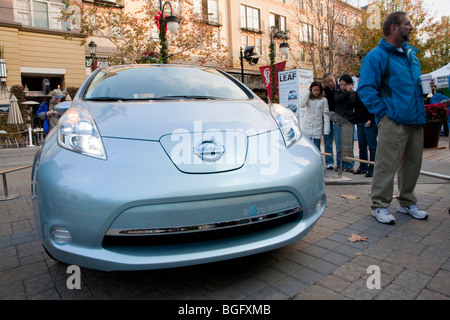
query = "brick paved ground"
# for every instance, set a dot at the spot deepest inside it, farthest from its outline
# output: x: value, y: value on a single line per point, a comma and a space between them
x: 413, y: 257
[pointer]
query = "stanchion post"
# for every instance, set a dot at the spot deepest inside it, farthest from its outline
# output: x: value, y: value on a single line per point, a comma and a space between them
x: 30, y: 137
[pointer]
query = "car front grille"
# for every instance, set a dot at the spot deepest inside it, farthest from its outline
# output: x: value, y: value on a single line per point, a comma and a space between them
x: 195, y: 233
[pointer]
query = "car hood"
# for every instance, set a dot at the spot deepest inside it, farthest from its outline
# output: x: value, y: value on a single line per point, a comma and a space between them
x: 152, y: 120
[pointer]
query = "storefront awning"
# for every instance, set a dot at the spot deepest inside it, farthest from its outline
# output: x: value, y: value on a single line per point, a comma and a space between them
x: 42, y: 71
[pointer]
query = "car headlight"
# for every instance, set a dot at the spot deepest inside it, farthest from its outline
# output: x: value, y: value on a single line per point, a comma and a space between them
x: 288, y: 124
x: 78, y: 132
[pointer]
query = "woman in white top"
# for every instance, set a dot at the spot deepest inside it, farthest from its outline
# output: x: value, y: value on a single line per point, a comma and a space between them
x: 315, y: 122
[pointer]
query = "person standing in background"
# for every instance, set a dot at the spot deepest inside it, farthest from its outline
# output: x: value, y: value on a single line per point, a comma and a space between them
x: 438, y: 97
x: 329, y: 87
x: 367, y: 132
x: 47, y: 111
x: 313, y: 124
x: 345, y: 107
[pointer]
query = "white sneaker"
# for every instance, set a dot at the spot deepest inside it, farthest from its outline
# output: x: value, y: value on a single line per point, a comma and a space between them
x: 383, y: 216
x: 413, y: 211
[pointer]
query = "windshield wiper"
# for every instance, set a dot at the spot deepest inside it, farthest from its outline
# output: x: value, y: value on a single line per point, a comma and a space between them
x: 155, y: 98
x: 189, y: 97
x: 108, y: 99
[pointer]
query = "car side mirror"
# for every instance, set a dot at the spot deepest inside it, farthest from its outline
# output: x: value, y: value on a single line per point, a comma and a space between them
x: 63, y: 106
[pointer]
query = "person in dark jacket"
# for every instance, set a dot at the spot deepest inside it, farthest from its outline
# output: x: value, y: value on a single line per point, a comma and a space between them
x: 344, y: 98
x: 438, y: 97
x: 367, y: 132
x: 329, y: 87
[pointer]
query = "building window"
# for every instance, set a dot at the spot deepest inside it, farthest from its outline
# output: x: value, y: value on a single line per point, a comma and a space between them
x: 115, y: 28
x: 22, y: 12
x: 250, y: 19
x: 277, y: 21
x: 306, y: 33
x: 244, y: 42
x: 256, y: 42
x: 301, y: 4
x: 208, y: 7
x: 213, y: 11
x: 40, y: 13
x: 215, y: 41
x: 323, y: 34
x: 302, y: 55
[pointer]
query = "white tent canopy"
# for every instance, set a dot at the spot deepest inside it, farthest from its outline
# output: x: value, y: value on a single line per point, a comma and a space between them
x: 441, y: 76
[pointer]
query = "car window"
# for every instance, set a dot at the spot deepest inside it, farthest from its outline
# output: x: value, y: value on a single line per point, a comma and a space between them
x: 161, y: 82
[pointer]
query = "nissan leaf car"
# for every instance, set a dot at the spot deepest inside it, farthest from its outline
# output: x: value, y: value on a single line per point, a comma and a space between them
x: 160, y: 166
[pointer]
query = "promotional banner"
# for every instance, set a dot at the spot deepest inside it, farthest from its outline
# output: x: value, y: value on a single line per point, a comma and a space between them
x: 442, y: 81
x: 293, y: 85
x: 441, y: 76
x: 265, y: 73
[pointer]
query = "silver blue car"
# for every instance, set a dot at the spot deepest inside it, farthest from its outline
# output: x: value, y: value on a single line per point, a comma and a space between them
x: 159, y: 166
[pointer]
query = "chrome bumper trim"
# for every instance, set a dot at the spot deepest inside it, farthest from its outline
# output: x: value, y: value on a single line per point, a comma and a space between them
x: 204, y: 227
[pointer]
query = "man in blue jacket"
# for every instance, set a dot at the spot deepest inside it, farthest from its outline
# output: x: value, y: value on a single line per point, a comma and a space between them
x: 47, y: 111
x: 389, y: 87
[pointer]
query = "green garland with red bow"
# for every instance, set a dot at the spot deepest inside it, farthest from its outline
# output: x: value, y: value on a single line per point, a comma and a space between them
x: 158, y: 19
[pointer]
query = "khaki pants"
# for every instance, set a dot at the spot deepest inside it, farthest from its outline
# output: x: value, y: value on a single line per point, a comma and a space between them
x: 399, y: 151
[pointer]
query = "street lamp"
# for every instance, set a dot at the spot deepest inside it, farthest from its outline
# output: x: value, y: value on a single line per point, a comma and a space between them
x: 284, y: 49
x: 249, y: 56
x: 92, y: 48
x: 171, y: 22
x: 3, y: 71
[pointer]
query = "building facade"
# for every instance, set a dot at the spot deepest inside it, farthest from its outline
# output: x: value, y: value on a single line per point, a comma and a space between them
x: 38, y: 45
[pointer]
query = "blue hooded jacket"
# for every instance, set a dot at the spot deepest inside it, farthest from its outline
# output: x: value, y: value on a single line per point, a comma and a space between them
x: 40, y: 113
x: 389, y: 84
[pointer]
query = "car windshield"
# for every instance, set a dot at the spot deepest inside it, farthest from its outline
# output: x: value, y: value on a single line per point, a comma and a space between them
x: 163, y: 82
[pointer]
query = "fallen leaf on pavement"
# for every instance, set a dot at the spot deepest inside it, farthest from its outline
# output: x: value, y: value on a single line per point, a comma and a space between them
x: 355, y: 237
x: 347, y: 196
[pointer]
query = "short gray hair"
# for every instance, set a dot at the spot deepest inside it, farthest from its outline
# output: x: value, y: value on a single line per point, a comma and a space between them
x: 392, y: 18
x: 326, y: 75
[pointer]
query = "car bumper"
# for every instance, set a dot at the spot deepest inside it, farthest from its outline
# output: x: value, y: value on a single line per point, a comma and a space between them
x: 91, y: 198
x: 113, y: 258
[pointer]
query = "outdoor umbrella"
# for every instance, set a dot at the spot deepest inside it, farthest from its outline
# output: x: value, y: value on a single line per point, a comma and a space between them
x: 14, y: 115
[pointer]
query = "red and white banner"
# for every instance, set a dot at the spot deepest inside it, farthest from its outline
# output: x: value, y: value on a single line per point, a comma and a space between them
x: 265, y: 73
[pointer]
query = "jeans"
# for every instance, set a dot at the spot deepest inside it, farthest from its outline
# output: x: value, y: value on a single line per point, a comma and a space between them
x: 367, y: 143
x: 328, y: 143
x: 316, y: 142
